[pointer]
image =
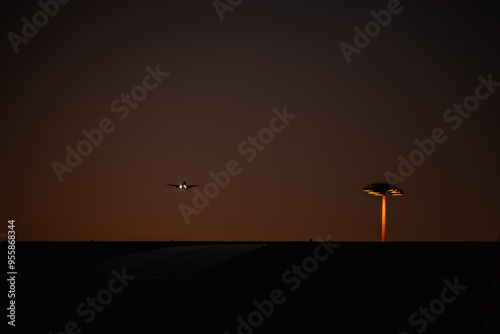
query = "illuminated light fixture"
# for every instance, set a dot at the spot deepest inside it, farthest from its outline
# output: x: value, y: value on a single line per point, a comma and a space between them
x: 381, y: 189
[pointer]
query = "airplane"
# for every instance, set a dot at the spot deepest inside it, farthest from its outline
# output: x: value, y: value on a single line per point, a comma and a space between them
x: 183, y: 185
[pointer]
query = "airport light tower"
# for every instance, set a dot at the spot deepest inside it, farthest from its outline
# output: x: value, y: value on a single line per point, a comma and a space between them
x: 381, y: 189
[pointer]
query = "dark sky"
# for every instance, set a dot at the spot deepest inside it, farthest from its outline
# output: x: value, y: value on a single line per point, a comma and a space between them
x: 225, y: 78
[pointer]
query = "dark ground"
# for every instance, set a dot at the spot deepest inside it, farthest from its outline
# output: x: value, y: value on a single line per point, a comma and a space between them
x: 359, y: 288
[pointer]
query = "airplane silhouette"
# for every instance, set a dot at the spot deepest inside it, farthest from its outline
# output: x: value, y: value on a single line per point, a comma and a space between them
x: 183, y: 185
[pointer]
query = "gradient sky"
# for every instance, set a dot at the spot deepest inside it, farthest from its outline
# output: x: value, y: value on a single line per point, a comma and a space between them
x: 353, y: 120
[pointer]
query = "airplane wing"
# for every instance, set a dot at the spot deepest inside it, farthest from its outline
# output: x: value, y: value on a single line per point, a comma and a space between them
x: 192, y: 185
x: 172, y: 185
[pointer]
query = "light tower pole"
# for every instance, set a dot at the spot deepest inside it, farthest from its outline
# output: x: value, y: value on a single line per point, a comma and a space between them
x: 381, y: 189
x: 383, y: 217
